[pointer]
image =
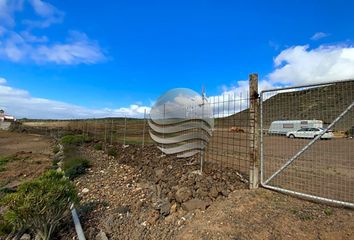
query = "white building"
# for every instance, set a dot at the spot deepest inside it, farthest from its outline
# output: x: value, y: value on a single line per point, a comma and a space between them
x: 6, y: 120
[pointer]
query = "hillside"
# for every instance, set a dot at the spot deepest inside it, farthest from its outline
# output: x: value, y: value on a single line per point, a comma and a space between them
x: 322, y: 103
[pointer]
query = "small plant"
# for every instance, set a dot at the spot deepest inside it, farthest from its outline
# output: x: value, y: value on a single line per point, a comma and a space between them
x: 75, y: 139
x: 112, y: 152
x: 5, y: 227
x: 328, y: 211
x: 98, y: 146
x: 40, y: 204
x: 56, y: 149
x: 75, y: 166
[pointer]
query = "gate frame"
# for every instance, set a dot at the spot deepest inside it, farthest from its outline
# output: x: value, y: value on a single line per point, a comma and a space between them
x: 293, y: 158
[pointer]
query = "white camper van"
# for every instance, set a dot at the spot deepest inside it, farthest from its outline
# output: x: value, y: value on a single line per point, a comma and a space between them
x: 282, y: 127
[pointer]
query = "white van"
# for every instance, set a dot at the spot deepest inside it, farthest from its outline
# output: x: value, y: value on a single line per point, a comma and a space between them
x: 282, y: 127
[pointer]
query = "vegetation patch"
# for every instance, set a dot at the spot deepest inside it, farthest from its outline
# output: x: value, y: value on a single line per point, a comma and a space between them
x: 39, y: 205
x: 75, y: 139
x: 5, y: 160
x: 75, y: 166
x: 98, y: 146
x: 56, y: 149
x: 112, y: 152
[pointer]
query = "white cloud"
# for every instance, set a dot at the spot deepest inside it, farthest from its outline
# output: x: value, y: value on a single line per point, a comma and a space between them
x: 48, y: 12
x: 79, y: 49
x: 298, y: 65
x: 30, y: 38
x: 319, y: 35
x: 7, y: 10
x: 2, y: 81
x: 21, y: 45
x: 302, y: 65
x: 21, y: 104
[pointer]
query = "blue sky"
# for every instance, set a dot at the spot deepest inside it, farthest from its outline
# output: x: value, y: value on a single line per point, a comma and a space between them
x: 76, y: 58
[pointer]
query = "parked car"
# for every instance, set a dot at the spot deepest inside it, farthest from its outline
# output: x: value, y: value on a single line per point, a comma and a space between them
x: 310, y: 133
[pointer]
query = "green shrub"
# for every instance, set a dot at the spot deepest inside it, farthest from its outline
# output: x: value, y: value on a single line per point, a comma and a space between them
x: 98, y: 146
x: 112, y: 152
x: 350, y: 132
x: 56, y: 149
x: 40, y: 204
x: 75, y: 166
x: 75, y: 139
x: 5, y: 227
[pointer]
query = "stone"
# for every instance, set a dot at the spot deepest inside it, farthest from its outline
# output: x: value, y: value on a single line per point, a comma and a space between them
x: 85, y: 190
x: 195, y: 203
x: 108, y: 223
x: 123, y: 209
x: 25, y: 237
x: 201, y: 193
x: 159, y: 174
x: 173, y: 208
x: 213, y: 192
x: 225, y: 192
x: 165, y: 208
x: 183, y: 194
x: 153, y: 217
x: 101, y: 236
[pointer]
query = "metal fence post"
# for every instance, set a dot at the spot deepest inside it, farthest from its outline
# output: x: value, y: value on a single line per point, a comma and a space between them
x: 105, y: 134
x: 111, y: 130
x: 253, y: 130
x: 144, y: 129
x: 125, y: 129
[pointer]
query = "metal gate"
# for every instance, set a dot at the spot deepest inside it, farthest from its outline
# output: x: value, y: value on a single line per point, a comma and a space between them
x: 307, y: 144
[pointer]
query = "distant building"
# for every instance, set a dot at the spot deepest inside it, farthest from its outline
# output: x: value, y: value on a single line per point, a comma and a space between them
x: 5, y: 120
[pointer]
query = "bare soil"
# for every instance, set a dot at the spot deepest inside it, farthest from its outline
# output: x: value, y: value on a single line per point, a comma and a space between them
x: 30, y: 156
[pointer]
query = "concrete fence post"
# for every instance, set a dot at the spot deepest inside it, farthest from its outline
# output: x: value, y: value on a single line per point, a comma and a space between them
x: 253, y: 128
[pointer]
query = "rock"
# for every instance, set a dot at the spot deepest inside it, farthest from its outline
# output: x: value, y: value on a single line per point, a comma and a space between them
x: 201, y: 193
x: 85, y: 190
x: 25, y: 237
x: 173, y: 208
x: 213, y: 192
x: 159, y: 174
x: 165, y: 208
x: 153, y: 216
x: 123, y: 209
x: 225, y: 192
x: 108, y: 223
x: 183, y: 194
x: 101, y: 236
x: 195, y: 203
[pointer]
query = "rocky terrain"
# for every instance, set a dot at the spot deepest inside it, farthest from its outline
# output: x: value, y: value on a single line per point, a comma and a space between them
x: 145, y: 195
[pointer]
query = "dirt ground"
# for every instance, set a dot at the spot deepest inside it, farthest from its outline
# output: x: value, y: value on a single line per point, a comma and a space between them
x: 137, y: 196
x: 325, y: 169
x: 30, y: 156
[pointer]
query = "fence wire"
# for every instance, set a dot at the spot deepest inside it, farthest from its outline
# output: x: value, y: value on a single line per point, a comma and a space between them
x: 292, y: 160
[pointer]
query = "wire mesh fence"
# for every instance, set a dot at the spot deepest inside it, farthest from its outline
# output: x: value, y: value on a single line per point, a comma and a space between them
x: 307, y: 137
x: 229, y: 144
x: 307, y: 141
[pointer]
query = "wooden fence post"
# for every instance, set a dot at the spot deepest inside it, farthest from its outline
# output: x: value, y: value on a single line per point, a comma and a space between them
x: 254, y: 133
